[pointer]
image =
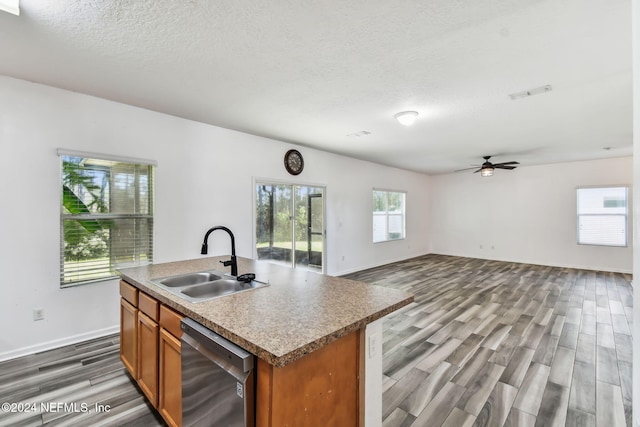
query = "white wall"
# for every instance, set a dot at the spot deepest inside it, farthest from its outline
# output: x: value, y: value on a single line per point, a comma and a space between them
x: 204, y: 177
x: 525, y: 215
x: 635, y: 12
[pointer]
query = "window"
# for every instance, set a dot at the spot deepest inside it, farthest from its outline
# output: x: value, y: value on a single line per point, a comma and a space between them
x: 602, y: 216
x: 106, y: 217
x: 388, y: 215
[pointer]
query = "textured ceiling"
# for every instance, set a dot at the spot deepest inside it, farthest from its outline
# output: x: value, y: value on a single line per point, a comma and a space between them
x: 313, y: 72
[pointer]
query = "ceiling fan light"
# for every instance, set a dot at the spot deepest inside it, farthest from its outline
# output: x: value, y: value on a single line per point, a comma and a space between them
x: 406, y: 118
x: 488, y: 171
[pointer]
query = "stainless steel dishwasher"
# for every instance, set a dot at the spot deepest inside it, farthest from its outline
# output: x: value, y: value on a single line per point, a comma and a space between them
x: 218, y: 387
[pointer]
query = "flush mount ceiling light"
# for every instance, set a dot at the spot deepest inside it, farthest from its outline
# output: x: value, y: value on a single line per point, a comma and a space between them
x: 406, y: 118
x: 11, y: 6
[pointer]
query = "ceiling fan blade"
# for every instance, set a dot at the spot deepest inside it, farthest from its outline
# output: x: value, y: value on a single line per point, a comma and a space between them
x: 478, y: 170
x: 507, y: 163
x: 502, y: 166
x: 466, y: 169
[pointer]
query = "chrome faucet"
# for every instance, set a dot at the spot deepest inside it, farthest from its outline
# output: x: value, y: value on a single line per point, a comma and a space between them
x: 232, y: 262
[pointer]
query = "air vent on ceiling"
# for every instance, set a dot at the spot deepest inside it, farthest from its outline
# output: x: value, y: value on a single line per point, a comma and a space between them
x: 361, y: 133
x: 530, y: 92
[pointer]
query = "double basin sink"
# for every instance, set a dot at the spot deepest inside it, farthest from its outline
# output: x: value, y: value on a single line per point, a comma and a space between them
x: 205, y: 285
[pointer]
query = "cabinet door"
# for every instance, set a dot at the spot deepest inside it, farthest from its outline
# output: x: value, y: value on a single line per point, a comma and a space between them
x: 320, y: 389
x: 129, y: 337
x: 148, y: 357
x: 170, y: 379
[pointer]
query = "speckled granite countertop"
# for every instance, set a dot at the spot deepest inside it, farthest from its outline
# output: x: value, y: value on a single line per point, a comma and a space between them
x: 298, y: 313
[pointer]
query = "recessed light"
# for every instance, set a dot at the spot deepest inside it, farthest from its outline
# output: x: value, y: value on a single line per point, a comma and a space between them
x: 406, y: 118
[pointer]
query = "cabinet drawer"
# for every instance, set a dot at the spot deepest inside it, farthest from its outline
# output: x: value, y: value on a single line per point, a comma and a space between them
x: 129, y: 293
x: 148, y: 305
x: 170, y: 320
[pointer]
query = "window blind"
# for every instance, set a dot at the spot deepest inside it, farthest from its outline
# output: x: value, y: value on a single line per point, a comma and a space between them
x: 106, y: 217
x: 602, y: 216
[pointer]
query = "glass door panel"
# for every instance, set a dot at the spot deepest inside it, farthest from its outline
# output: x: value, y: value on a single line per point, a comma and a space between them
x: 315, y: 228
x: 290, y: 225
x: 274, y: 239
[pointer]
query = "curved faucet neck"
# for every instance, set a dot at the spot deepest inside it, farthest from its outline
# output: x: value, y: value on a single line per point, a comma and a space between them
x: 205, y: 247
x: 220, y: 227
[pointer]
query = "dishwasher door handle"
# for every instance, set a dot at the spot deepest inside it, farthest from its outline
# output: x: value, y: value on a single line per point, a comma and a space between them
x: 221, y: 349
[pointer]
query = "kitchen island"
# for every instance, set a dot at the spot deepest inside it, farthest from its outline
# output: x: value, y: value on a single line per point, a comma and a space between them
x: 308, y: 331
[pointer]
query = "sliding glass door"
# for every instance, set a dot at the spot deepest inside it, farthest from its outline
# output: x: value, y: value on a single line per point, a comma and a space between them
x: 290, y: 225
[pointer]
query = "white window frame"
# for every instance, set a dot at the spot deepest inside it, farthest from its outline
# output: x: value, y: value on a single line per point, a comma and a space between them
x: 579, y: 214
x: 387, y: 215
x: 142, y: 244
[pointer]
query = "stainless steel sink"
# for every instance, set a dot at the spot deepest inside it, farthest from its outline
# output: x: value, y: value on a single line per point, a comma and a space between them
x: 205, y: 285
x: 190, y: 279
x: 216, y: 288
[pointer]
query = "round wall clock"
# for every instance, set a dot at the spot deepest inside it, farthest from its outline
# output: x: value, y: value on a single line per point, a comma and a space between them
x: 293, y: 162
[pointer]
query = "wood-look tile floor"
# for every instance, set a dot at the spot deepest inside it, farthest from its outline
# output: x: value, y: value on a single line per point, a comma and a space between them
x: 490, y: 343
x: 78, y: 376
x: 485, y: 343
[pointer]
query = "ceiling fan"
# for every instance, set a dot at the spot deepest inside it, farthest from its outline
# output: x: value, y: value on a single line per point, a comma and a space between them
x: 487, y: 167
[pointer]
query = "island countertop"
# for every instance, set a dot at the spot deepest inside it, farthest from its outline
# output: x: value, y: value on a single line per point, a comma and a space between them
x: 299, y: 312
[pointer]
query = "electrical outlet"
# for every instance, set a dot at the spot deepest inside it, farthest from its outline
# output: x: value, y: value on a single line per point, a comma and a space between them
x: 373, y: 346
x: 38, y: 314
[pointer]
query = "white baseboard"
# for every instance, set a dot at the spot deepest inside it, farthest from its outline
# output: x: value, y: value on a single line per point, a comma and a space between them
x: 524, y: 261
x: 50, y: 345
x: 367, y: 267
x: 577, y: 267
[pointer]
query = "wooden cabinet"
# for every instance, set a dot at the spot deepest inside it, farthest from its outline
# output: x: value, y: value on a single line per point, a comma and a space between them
x: 148, y: 334
x: 129, y: 328
x: 150, y: 350
x: 322, y: 388
x: 129, y: 336
x: 170, y: 368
